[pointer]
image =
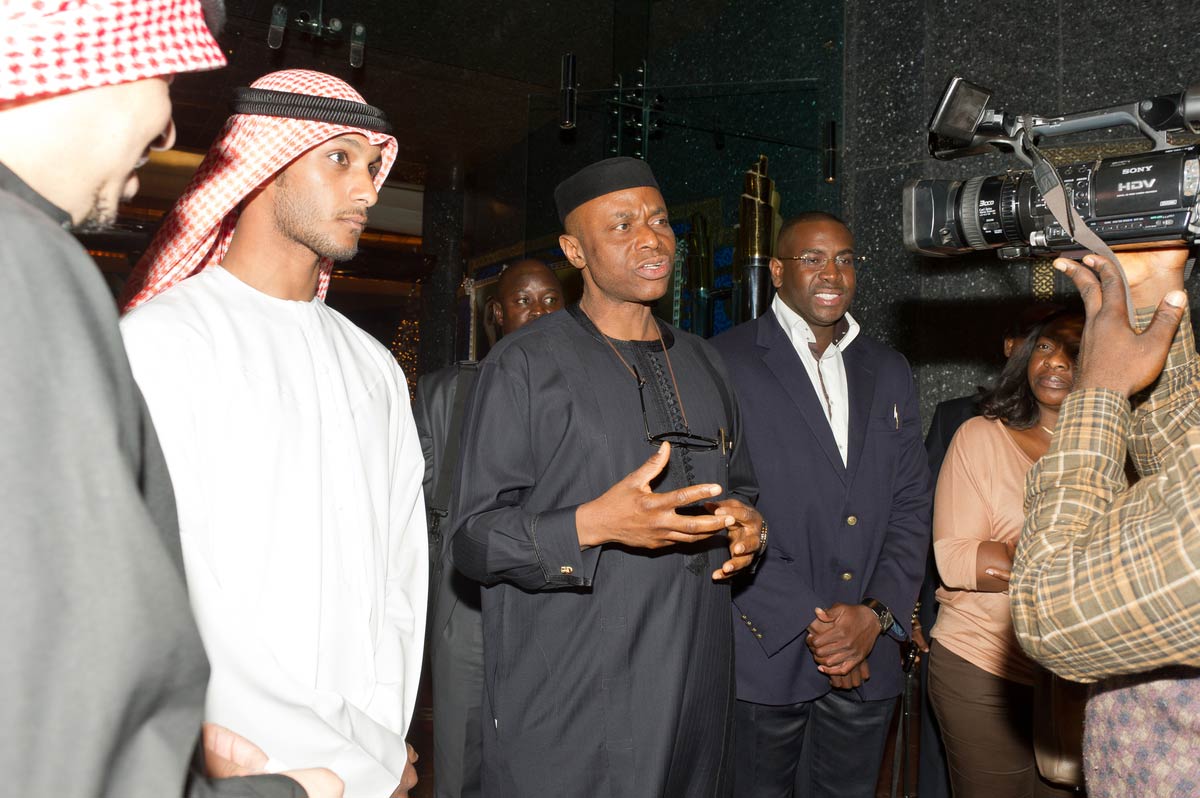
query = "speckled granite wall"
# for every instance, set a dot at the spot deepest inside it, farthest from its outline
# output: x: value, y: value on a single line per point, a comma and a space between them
x: 1049, y: 56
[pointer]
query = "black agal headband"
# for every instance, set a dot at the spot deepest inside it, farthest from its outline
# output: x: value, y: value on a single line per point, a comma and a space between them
x: 332, y: 110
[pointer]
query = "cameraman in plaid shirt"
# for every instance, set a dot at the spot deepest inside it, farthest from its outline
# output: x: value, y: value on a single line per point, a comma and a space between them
x: 1106, y: 582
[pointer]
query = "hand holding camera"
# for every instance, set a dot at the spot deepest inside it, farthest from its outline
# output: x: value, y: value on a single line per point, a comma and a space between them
x: 1112, y: 354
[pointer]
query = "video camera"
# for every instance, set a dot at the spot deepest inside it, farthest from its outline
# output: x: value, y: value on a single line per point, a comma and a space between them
x: 1151, y: 198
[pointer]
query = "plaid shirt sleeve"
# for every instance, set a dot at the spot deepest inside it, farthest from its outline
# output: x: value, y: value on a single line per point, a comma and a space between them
x: 1107, y: 578
x: 1173, y: 406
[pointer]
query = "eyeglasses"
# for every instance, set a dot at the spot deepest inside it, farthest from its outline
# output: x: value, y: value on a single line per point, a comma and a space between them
x: 681, y: 439
x: 817, y: 262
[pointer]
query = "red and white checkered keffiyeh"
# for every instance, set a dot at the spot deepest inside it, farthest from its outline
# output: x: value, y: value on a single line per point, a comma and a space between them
x: 250, y: 150
x: 50, y: 47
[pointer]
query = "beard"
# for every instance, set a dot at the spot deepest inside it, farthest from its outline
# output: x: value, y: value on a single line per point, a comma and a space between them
x: 101, y: 217
x: 296, y: 217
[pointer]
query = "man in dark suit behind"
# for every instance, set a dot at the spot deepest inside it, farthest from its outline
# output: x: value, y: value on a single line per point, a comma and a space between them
x: 526, y: 290
x: 834, y: 433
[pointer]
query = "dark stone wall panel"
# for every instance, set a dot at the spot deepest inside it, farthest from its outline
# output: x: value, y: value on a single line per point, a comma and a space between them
x: 1121, y: 52
x: 884, y: 105
x: 1011, y: 48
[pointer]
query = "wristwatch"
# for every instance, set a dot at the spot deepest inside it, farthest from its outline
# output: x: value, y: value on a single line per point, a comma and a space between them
x: 886, y: 620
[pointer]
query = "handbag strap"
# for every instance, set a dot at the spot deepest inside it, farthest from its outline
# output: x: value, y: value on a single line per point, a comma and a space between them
x: 900, y: 753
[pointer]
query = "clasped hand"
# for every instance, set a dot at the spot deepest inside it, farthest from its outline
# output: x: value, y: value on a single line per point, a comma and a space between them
x: 632, y: 514
x: 840, y: 639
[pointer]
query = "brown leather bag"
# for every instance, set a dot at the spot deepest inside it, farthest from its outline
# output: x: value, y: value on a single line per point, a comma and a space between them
x: 1058, y: 709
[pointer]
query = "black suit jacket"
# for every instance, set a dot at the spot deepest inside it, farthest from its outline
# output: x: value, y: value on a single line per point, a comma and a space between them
x: 947, y: 418
x: 433, y: 412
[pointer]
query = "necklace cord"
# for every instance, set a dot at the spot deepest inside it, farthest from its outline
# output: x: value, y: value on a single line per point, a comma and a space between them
x: 670, y: 369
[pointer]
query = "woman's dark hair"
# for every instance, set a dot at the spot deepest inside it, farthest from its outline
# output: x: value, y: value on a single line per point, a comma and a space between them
x: 1011, y: 399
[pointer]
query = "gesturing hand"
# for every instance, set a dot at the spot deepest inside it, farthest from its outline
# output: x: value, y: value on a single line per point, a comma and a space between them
x: 744, y: 535
x: 1111, y: 354
x: 631, y: 514
x: 841, y: 637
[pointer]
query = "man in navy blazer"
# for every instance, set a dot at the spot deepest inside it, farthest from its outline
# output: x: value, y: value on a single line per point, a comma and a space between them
x: 831, y: 422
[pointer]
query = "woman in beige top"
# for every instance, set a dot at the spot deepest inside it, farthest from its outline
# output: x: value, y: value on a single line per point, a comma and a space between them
x: 980, y: 683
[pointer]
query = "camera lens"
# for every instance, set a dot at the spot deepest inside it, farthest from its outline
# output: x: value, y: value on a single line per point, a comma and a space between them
x: 988, y: 211
x: 942, y: 217
x: 972, y: 225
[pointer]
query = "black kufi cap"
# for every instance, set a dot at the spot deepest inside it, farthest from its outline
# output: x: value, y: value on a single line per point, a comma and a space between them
x: 600, y: 178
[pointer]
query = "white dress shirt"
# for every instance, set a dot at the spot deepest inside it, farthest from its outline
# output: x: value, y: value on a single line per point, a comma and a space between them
x: 827, y: 373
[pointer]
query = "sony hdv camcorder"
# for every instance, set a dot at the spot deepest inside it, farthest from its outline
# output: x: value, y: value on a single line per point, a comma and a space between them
x: 1151, y: 198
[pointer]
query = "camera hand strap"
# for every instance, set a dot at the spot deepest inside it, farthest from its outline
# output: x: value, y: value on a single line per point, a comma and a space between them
x: 1055, y: 195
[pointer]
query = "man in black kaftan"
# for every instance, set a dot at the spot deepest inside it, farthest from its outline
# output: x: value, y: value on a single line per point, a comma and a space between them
x: 607, y: 634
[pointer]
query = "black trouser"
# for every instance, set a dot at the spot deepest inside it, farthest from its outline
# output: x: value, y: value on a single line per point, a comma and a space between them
x: 457, y: 662
x: 831, y: 747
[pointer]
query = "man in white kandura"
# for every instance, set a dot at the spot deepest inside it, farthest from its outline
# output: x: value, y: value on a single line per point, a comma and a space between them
x: 289, y: 438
